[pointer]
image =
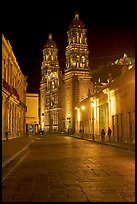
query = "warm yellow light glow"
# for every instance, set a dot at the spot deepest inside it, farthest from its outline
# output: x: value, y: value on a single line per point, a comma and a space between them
x: 68, y: 114
x: 83, y: 107
x: 106, y: 91
x: 42, y: 127
x: 130, y: 67
x: 113, y: 105
x: 95, y: 112
x: 78, y: 115
x: 92, y: 103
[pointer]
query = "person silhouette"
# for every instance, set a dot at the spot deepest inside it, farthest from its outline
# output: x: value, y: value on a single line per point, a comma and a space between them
x: 109, y: 134
x: 103, y: 135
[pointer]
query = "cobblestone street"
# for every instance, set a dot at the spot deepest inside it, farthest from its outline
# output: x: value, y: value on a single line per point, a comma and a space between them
x: 67, y: 169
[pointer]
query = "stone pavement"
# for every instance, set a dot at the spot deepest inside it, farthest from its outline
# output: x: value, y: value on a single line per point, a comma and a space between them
x: 60, y: 169
x: 13, y: 147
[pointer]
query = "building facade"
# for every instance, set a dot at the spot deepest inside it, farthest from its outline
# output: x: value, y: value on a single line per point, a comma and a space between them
x: 32, y: 115
x: 50, y: 89
x: 14, y: 86
x: 112, y: 106
x: 59, y: 93
x: 76, y: 102
x: 77, y: 72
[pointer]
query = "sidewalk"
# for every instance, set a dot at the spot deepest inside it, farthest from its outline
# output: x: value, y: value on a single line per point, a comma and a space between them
x: 13, y: 147
x: 126, y: 146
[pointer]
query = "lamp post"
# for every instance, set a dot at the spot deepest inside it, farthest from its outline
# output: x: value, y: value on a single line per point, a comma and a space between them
x: 69, y: 120
x: 93, y: 119
x: 83, y: 108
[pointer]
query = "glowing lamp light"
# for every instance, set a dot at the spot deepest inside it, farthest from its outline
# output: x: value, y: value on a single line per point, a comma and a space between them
x: 68, y: 114
x: 130, y: 67
x: 83, y: 107
x: 92, y: 103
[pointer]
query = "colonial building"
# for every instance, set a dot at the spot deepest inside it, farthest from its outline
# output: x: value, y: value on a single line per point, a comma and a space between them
x: 13, y: 94
x: 85, y: 100
x: 113, y: 105
x: 32, y: 115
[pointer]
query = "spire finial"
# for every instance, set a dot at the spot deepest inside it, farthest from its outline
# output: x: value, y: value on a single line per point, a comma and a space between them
x: 50, y: 36
x: 77, y: 15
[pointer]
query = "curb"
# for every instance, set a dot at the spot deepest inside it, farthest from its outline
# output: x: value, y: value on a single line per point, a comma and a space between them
x: 4, y: 163
x: 113, y: 145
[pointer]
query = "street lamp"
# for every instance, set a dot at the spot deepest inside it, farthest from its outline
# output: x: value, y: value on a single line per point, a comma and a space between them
x: 93, y: 105
x: 83, y: 107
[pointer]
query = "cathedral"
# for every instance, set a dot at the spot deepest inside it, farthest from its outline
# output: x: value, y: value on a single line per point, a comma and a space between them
x: 84, y: 100
x: 61, y: 92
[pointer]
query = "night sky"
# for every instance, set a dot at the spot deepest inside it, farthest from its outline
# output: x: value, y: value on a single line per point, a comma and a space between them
x: 110, y: 31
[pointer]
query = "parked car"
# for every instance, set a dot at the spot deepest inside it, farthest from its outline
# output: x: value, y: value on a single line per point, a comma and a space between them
x: 41, y: 132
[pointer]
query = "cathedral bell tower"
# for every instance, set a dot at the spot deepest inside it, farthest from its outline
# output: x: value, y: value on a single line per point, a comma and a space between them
x: 49, y: 88
x: 77, y: 73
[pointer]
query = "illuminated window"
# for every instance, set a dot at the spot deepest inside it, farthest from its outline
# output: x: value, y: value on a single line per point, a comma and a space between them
x: 53, y: 84
x: 80, y: 40
x: 83, y: 59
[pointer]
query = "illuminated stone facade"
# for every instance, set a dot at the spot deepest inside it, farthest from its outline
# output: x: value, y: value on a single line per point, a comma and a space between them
x: 112, y: 106
x: 32, y: 115
x: 59, y: 93
x: 76, y: 103
x: 77, y: 72
x: 13, y: 94
x: 50, y: 89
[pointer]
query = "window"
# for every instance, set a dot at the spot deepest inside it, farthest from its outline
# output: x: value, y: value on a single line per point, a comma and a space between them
x: 83, y: 59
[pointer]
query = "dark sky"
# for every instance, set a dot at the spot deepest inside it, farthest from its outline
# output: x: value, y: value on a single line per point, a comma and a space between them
x: 110, y: 31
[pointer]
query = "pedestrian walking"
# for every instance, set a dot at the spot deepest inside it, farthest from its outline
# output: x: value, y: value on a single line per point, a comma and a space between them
x: 109, y: 134
x: 68, y: 131
x: 103, y: 135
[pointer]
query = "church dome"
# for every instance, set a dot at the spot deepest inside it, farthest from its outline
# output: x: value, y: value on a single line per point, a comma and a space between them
x: 77, y: 23
x: 50, y: 43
